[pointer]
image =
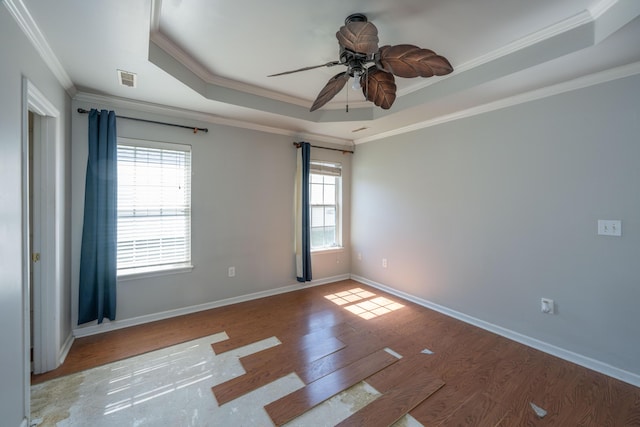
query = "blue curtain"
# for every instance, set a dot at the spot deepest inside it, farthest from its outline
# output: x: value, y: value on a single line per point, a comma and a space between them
x: 98, y: 269
x: 303, y: 215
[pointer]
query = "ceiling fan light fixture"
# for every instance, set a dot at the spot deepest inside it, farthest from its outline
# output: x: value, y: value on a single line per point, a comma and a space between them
x: 355, y: 85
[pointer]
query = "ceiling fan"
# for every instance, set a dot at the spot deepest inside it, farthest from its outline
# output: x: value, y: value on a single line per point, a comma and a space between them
x: 358, y: 40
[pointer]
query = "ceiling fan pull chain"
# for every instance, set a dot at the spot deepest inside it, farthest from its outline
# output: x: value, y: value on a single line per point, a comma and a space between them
x: 366, y: 83
x: 347, y: 109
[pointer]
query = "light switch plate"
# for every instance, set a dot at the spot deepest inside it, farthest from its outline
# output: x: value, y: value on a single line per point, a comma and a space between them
x: 608, y: 227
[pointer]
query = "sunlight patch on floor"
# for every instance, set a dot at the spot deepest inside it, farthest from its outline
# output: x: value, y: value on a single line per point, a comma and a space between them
x: 366, y: 307
x: 346, y: 297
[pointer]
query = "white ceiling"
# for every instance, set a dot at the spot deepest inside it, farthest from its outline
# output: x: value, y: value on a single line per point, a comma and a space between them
x: 213, y: 57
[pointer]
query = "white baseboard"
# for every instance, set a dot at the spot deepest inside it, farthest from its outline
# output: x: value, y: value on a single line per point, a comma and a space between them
x: 119, y: 324
x: 587, y: 362
x: 65, y: 349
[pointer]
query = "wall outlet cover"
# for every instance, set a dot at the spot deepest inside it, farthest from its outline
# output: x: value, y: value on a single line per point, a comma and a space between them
x: 547, y: 306
x: 609, y: 227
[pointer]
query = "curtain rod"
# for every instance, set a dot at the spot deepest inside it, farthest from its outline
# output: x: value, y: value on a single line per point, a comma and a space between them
x: 195, y: 130
x: 298, y: 145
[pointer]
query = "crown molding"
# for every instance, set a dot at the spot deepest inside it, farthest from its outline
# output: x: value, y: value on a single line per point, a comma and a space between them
x: 154, y: 18
x: 599, y: 9
x: 28, y: 25
x: 151, y: 108
x: 177, y: 53
x: 165, y: 43
x: 585, y: 17
x: 568, y: 86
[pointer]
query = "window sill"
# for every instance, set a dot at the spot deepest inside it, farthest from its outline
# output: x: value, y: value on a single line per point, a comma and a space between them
x: 144, y: 272
x: 327, y: 250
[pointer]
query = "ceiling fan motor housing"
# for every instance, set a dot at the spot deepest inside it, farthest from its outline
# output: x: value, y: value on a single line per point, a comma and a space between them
x: 354, y: 61
x: 358, y: 41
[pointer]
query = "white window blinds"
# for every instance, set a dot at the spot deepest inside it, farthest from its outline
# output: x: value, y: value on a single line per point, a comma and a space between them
x: 154, y: 205
x: 324, y: 185
x: 325, y: 168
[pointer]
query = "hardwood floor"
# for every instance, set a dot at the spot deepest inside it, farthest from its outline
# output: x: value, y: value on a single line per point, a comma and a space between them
x: 473, y: 377
x: 295, y: 404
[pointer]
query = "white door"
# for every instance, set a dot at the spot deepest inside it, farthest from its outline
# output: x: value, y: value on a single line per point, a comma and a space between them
x: 35, y: 230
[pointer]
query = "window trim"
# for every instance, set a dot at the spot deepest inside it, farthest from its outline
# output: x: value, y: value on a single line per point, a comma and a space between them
x: 165, y: 269
x: 331, y: 171
x: 144, y: 272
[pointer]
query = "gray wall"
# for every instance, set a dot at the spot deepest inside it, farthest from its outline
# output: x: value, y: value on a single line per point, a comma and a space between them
x: 486, y: 215
x: 242, y: 214
x: 20, y: 59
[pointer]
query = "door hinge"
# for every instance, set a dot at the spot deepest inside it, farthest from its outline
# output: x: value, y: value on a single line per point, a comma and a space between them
x: 35, y: 257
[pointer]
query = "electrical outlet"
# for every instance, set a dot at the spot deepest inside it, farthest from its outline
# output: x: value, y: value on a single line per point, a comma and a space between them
x: 359, y: 256
x: 232, y: 272
x: 384, y: 263
x: 547, y: 306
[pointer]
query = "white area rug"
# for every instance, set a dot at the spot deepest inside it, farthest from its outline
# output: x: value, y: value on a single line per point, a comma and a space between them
x: 172, y: 387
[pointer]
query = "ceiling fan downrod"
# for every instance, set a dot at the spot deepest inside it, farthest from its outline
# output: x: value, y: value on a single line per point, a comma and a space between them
x: 355, y: 17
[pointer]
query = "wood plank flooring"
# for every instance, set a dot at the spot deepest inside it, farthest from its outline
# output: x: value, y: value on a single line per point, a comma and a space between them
x: 298, y: 402
x: 488, y: 380
x: 395, y: 403
x: 272, y: 367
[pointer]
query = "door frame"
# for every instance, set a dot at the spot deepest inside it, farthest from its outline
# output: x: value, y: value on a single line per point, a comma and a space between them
x: 47, y: 286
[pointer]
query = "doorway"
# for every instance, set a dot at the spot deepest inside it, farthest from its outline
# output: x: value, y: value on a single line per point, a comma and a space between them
x: 42, y: 256
x: 33, y: 246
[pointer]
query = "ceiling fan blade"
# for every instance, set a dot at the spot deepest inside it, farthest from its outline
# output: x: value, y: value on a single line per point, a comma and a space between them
x: 328, y: 64
x: 406, y: 60
x: 330, y: 90
x: 359, y: 37
x: 379, y: 87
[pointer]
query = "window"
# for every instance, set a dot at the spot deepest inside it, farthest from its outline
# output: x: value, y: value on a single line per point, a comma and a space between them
x: 154, y: 206
x: 325, y: 180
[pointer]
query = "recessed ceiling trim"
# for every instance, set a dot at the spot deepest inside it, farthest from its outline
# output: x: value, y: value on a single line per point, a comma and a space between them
x: 571, y: 85
x: 611, y: 15
x: 154, y: 19
x: 550, y: 32
x: 559, y: 28
x: 600, y: 8
x: 178, y: 70
x: 566, y: 36
x: 560, y: 44
x: 166, y: 44
x: 29, y: 27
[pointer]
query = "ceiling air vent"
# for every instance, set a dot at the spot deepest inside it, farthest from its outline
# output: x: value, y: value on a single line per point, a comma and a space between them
x: 127, y: 79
